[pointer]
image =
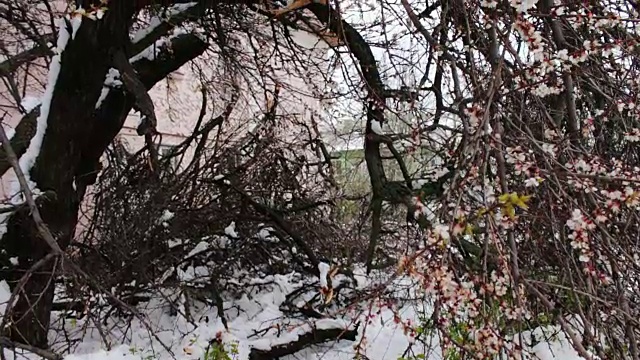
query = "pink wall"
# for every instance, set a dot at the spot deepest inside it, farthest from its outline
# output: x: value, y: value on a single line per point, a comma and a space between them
x: 177, y: 99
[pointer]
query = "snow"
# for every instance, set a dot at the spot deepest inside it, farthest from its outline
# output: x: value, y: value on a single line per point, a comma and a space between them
x: 362, y: 280
x: 202, y: 246
x: 376, y: 127
x: 194, y: 274
x: 153, y: 50
x: 323, y: 269
x: 559, y: 349
x: 76, y: 21
x: 231, y: 230
x: 417, y: 184
x: 9, y: 131
x: 142, y: 33
x: 29, y: 103
x: 220, y: 241
x: 119, y: 353
x: 112, y: 80
x: 171, y: 243
x: 27, y: 161
x: 156, y: 21
x: 166, y: 215
x: 265, y: 235
x: 327, y: 324
x: 5, y: 295
x: 150, y: 52
x: 258, y: 311
x: 29, y: 158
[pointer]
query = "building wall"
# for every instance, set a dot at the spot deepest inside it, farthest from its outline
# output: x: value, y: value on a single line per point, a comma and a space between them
x: 177, y: 99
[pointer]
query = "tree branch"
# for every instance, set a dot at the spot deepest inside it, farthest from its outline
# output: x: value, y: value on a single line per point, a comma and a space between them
x: 6, y: 343
x: 315, y: 336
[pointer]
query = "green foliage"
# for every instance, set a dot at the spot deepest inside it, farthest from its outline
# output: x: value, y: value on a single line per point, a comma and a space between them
x: 352, y: 176
x: 459, y: 333
x: 217, y: 351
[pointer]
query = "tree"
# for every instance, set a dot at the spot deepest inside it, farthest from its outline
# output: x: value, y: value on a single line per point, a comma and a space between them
x: 530, y: 107
x: 71, y: 134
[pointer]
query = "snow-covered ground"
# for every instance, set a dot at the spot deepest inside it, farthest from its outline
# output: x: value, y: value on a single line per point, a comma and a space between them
x: 257, y: 321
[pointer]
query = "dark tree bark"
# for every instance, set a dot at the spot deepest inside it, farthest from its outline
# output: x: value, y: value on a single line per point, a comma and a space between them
x: 76, y: 91
x: 315, y: 336
x: 75, y: 138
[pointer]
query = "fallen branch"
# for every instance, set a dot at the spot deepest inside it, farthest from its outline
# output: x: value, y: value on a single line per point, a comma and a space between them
x: 6, y: 343
x: 315, y: 336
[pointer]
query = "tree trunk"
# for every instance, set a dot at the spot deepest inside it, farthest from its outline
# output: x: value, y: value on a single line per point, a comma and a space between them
x: 82, y: 72
x: 76, y: 136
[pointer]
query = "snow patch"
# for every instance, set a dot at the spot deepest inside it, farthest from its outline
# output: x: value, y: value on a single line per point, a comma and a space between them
x: 166, y: 215
x: 328, y: 324
x: 265, y: 235
x: 175, y: 242
x: 231, y: 230
x: 376, y: 127
x: 5, y: 295
x: 151, y: 51
x: 220, y: 241
x: 29, y: 103
x: 256, y: 321
x: 202, y: 246
x: 324, y: 268
x: 156, y: 21
x: 112, y: 80
x: 76, y: 21
x: 9, y: 131
x: 417, y: 184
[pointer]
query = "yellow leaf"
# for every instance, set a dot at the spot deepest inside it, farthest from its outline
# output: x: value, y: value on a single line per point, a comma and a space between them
x: 510, y: 211
x: 522, y: 201
x: 333, y: 272
x: 329, y: 297
x: 503, y: 198
x: 468, y: 229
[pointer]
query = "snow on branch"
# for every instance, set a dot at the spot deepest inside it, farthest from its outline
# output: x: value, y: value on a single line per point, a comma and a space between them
x: 325, y: 330
x: 148, y: 42
x: 158, y: 26
x: 28, y: 159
